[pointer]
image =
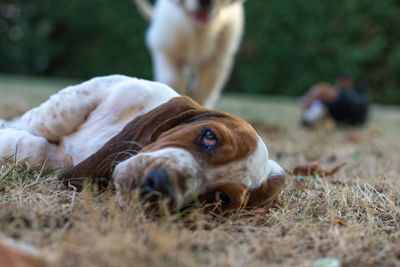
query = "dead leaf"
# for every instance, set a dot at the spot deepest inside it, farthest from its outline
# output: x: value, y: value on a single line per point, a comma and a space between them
x: 341, y: 222
x: 260, y: 211
x: 314, y: 167
x: 353, y: 138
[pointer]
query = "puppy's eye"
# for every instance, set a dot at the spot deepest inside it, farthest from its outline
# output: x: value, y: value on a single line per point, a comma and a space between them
x: 209, y: 139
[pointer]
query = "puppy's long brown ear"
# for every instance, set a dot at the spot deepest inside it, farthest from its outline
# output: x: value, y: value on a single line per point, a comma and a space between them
x: 137, y: 134
x: 269, y: 189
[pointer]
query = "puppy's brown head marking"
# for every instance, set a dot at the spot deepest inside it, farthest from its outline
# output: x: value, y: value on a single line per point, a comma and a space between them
x: 180, y: 149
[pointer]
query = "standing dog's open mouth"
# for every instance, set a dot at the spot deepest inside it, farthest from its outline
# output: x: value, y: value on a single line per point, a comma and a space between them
x: 201, y: 16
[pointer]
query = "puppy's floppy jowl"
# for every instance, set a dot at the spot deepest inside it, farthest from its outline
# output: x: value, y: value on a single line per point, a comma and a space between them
x: 143, y: 135
x: 199, y: 37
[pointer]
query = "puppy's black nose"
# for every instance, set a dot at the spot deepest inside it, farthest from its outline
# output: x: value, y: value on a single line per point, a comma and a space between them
x: 156, y: 183
x: 205, y: 3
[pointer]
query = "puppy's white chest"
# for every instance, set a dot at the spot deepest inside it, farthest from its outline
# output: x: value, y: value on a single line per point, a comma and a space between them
x: 201, y: 46
x: 172, y: 31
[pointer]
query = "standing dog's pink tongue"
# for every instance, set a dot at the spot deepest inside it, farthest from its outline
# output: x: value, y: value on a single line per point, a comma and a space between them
x: 201, y: 16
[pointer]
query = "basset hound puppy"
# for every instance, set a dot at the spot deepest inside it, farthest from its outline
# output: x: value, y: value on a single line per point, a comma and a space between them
x: 142, y: 134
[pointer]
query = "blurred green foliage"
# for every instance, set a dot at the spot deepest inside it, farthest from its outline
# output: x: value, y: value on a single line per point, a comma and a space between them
x: 288, y: 45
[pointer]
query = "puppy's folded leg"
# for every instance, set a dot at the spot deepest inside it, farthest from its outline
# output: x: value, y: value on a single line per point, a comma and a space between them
x: 213, y: 74
x: 64, y: 111
x: 210, y: 81
x: 31, y: 150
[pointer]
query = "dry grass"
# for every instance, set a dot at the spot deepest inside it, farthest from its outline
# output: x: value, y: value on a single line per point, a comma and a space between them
x: 353, y: 217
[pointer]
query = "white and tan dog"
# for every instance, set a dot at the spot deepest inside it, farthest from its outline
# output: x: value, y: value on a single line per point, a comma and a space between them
x: 143, y: 134
x: 197, y: 37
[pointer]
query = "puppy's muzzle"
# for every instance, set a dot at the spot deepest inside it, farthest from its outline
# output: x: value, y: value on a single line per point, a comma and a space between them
x: 155, y: 186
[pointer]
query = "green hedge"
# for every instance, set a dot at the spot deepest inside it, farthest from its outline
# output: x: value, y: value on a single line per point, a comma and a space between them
x: 288, y: 45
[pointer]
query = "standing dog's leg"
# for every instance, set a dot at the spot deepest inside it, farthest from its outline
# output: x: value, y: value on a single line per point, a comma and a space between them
x: 64, y: 111
x: 169, y: 71
x: 213, y: 74
x: 210, y: 79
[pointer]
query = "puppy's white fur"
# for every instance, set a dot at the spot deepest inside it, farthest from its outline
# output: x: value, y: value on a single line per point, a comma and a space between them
x: 180, y: 43
x: 78, y: 120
